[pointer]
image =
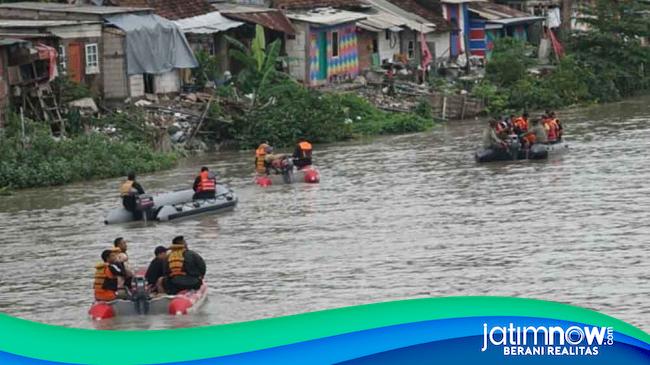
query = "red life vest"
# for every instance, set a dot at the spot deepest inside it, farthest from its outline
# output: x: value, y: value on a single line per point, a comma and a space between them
x: 206, y: 183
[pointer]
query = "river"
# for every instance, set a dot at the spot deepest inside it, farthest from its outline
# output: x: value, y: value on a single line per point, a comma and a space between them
x: 393, y: 218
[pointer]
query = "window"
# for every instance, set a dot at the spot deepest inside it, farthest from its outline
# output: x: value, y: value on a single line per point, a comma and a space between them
x: 92, y: 59
x: 63, y: 66
x: 411, y: 49
x: 335, y: 44
x: 375, y: 45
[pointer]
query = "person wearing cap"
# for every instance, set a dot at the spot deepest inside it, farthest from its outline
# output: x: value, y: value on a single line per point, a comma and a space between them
x: 302, y: 154
x: 109, y: 278
x: 205, y: 185
x: 129, y: 191
x: 156, y: 270
x: 185, y: 268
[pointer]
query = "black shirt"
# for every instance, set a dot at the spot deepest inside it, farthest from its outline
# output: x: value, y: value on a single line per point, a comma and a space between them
x: 156, y: 270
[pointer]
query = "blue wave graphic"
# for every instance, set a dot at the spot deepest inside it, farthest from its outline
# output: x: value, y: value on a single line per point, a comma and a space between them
x: 444, y: 341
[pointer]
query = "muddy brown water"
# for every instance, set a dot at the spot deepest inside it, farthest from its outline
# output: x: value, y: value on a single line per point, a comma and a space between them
x: 394, y: 217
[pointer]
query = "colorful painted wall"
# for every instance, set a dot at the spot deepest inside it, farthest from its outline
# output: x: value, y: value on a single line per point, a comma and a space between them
x: 324, y: 67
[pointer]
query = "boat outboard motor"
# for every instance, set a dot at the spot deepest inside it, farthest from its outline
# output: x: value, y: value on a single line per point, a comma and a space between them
x: 140, y: 296
x: 514, y: 147
x: 144, y: 203
x: 287, y: 170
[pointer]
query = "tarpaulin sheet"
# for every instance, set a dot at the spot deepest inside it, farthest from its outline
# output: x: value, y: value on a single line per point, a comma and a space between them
x: 154, y: 45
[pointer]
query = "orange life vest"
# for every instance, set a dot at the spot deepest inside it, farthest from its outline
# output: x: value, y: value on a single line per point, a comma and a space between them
x: 102, y: 274
x: 176, y: 260
x: 260, y: 154
x: 530, y: 138
x: 206, y: 183
x: 305, y: 149
x: 127, y: 188
x: 521, y: 124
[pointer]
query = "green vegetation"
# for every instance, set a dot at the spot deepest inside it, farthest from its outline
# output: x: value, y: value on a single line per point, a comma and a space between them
x: 280, y: 110
x: 39, y: 160
x: 602, y: 64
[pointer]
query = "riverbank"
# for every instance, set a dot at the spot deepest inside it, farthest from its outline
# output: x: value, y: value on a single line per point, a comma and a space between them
x: 35, y: 159
x: 137, y: 139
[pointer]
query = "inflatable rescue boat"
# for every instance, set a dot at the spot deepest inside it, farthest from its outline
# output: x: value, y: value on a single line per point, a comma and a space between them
x: 175, y: 205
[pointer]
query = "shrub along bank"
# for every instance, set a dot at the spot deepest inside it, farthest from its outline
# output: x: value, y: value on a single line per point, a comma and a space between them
x: 39, y: 160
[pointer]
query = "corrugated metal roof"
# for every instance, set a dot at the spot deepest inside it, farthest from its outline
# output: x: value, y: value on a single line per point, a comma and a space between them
x: 510, y: 21
x: 326, y: 16
x: 11, y: 41
x: 430, y: 11
x: 311, y: 4
x: 413, y: 21
x: 491, y: 11
x: 18, y: 23
x: 269, y: 18
x: 171, y: 9
x: 71, y: 8
x: 207, y: 24
x: 382, y: 20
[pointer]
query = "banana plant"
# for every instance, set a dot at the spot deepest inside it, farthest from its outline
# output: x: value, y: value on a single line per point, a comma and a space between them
x: 259, y: 75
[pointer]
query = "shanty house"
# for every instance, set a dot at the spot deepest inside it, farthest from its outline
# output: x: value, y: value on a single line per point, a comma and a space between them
x: 324, y: 49
x: 136, y: 52
x: 490, y: 21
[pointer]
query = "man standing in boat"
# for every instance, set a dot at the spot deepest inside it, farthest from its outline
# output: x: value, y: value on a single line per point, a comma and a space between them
x: 185, y: 268
x: 205, y: 185
x: 129, y: 191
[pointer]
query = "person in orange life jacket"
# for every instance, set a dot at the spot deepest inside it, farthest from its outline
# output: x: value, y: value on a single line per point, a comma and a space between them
x: 185, y: 268
x: 260, y: 158
x: 156, y: 271
x: 205, y: 185
x: 520, y: 124
x: 302, y: 154
x: 560, y: 129
x: 109, y: 278
x: 129, y: 191
x: 120, y: 247
x: 551, y: 127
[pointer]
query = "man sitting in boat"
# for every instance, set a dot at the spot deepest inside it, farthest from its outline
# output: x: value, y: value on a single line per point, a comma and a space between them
x: 120, y: 247
x: 302, y: 154
x: 205, y: 185
x: 185, y: 268
x: 156, y: 271
x: 129, y: 191
x: 551, y: 126
x: 539, y: 132
x: 558, y: 124
x: 109, y: 278
x: 491, y: 137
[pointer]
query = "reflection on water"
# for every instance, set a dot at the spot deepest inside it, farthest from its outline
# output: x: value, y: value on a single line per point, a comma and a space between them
x: 393, y: 218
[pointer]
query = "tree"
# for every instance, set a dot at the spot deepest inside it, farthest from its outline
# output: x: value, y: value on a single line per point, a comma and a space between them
x: 612, y: 46
x: 259, y: 75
